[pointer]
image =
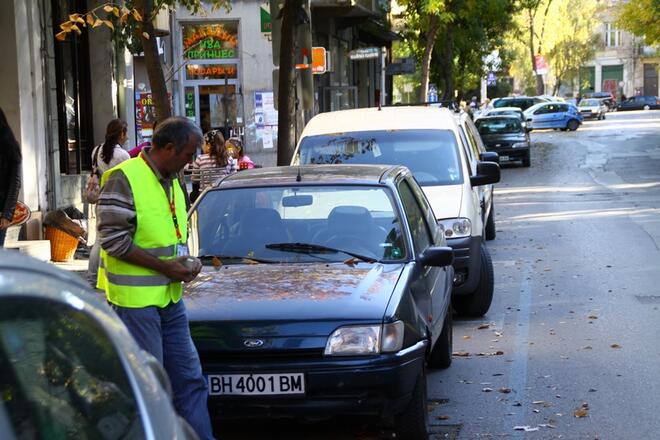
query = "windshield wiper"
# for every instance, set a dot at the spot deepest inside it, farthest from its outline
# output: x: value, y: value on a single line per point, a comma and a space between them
x: 316, y: 248
x: 223, y: 258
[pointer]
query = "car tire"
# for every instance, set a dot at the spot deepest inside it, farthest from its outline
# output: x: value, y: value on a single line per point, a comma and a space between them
x: 440, y: 356
x: 572, y: 125
x: 490, y: 223
x: 477, y: 303
x: 647, y: 107
x: 527, y: 159
x: 413, y: 422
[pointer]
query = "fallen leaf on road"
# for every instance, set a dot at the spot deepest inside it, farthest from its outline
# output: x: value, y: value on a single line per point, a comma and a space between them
x: 582, y: 411
x: 588, y: 347
x: 483, y: 326
x: 593, y: 317
x: 467, y: 337
x: 525, y: 428
x: 217, y: 263
x: 487, y: 390
x: 504, y: 390
x: 460, y: 354
x: 443, y: 417
x: 615, y: 346
x: 539, y: 402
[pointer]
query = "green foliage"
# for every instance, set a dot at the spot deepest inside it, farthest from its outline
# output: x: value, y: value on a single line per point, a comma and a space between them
x: 642, y: 18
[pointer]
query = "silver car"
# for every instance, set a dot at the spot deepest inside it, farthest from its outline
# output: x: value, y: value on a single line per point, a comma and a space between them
x: 592, y: 108
x: 70, y: 369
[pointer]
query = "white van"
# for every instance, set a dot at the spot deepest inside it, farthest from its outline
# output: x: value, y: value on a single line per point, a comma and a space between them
x: 428, y: 141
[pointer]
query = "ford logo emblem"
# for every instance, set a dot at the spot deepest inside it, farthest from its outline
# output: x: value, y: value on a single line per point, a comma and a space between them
x: 253, y: 343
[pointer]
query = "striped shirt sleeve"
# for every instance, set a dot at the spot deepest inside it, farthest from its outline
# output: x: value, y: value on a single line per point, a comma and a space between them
x: 116, y: 218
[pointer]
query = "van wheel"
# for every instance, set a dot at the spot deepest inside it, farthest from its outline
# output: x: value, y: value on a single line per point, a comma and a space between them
x: 572, y: 125
x: 477, y: 303
x: 440, y: 356
x: 490, y: 224
x: 413, y: 422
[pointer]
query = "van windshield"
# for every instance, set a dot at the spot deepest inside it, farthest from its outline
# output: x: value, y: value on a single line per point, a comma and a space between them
x: 431, y: 155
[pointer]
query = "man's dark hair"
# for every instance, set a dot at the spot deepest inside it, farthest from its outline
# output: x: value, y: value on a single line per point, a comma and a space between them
x: 175, y: 130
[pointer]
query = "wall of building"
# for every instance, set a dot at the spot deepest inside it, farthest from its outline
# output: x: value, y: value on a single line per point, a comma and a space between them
x: 255, y: 73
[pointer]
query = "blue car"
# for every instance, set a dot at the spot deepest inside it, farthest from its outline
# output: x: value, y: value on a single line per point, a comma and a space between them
x: 553, y: 115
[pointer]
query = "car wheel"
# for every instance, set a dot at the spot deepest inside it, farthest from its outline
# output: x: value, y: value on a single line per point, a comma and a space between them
x: 527, y: 160
x: 440, y: 356
x: 490, y: 223
x: 477, y: 303
x: 413, y: 422
x: 647, y: 107
x: 572, y: 125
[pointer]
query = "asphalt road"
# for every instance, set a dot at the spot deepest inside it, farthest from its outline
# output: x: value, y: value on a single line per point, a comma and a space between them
x: 577, y: 295
x: 576, y: 305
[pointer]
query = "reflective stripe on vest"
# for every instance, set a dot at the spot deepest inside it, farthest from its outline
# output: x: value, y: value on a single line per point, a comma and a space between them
x: 130, y: 285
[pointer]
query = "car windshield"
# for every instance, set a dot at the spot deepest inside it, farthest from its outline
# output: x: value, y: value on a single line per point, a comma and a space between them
x: 299, y: 224
x: 589, y: 103
x: 431, y: 155
x: 498, y: 126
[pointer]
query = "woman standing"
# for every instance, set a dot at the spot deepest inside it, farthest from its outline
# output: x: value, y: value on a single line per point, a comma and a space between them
x: 106, y: 156
x: 10, y: 175
x: 214, y: 156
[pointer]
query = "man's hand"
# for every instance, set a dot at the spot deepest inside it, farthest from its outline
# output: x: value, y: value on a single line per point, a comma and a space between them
x: 183, y: 268
x: 4, y: 223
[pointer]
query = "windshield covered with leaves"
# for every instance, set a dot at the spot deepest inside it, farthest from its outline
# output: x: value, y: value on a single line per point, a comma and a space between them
x: 297, y: 224
x: 431, y: 155
x: 499, y: 126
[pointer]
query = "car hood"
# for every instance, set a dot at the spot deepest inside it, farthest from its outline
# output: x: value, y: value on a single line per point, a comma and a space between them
x: 287, y: 307
x: 446, y: 200
x: 504, y: 137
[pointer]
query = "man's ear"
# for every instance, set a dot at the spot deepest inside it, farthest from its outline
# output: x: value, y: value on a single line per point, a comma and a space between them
x: 170, y: 148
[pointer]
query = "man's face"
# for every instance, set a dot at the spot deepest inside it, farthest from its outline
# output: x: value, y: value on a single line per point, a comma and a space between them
x: 178, y: 160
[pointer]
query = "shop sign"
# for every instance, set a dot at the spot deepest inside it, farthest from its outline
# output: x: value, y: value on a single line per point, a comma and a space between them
x: 210, y: 41
x: 266, y: 24
x: 318, y: 60
x: 211, y: 71
x: 364, y: 53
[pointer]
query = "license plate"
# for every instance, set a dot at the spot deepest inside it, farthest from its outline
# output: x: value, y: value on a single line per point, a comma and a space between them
x: 256, y: 384
x: 504, y: 157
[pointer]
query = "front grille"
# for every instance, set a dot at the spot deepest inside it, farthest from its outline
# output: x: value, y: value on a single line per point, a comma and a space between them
x: 260, y: 355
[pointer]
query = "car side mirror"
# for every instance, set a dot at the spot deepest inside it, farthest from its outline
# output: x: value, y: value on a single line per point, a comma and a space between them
x: 489, y: 156
x: 529, y: 119
x: 487, y: 173
x: 437, y: 256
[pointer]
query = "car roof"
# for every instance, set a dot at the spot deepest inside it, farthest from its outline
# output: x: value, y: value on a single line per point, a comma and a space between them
x: 390, y: 118
x: 515, y: 118
x: 332, y: 174
x: 505, y: 109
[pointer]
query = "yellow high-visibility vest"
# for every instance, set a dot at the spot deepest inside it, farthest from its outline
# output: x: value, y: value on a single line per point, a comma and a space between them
x: 130, y: 285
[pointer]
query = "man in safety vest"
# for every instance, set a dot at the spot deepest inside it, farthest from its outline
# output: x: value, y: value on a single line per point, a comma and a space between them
x: 142, y: 228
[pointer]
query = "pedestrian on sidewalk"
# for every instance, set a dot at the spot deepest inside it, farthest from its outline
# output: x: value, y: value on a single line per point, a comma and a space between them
x: 214, y: 156
x: 105, y: 156
x: 144, y: 260
x: 10, y: 175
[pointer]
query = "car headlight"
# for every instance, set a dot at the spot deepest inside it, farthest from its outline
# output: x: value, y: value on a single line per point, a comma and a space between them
x: 519, y: 145
x: 365, y: 339
x: 456, y: 227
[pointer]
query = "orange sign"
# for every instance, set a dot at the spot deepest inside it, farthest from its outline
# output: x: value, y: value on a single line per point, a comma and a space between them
x: 318, y: 60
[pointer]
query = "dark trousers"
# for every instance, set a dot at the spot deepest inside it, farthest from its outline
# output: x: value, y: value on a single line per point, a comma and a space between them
x: 164, y: 333
x: 3, y: 234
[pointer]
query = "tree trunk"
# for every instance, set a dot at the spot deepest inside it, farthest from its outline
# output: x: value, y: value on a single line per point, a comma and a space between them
x: 286, y: 99
x: 447, y: 69
x: 434, y: 22
x: 152, y: 61
x: 532, y: 52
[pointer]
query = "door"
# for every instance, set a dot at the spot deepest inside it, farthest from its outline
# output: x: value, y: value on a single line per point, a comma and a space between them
x: 428, y: 285
x: 543, y: 117
x: 650, y: 79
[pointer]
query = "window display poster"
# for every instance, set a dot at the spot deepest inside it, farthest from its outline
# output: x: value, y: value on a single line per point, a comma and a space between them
x: 145, y: 116
x: 265, y: 118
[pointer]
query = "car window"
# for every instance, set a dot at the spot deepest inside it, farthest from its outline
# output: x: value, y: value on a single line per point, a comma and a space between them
x: 543, y: 110
x: 415, y: 217
x: 562, y: 108
x: 431, y: 155
x: 499, y: 126
x: 244, y: 222
x: 475, y: 138
x: 61, y: 375
x: 467, y: 150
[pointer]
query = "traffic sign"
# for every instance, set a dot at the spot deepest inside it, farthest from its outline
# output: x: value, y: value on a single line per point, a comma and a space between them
x: 319, y: 64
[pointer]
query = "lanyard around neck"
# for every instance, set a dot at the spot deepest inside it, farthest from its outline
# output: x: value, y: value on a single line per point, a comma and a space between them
x: 170, y: 199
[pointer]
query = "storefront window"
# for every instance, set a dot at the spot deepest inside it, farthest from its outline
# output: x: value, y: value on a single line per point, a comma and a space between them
x: 73, y: 93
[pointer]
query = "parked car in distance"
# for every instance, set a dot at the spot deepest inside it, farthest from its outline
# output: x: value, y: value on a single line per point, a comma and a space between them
x: 508, y: 111
x: 608, y: 98
x: 640, y: 103
x: 592, y: 108
x: 326, y: 290
x: 557, y: 115
x: 505, y: 135
x: 433, y: 144
x: 522, y: 102
x: 70, y: 367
